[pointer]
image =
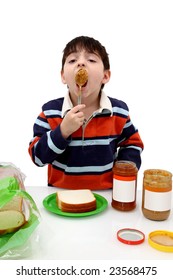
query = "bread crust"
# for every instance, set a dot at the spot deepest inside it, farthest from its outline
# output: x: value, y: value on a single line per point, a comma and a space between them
x: 78, y: 208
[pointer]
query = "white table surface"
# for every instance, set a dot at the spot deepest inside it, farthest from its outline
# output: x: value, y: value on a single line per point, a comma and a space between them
x: 93, y: 237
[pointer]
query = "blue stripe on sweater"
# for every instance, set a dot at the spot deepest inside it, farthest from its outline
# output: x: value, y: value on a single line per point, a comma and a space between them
x: 83, y: 169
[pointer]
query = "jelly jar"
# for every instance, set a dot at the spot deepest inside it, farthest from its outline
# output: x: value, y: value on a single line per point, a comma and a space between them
x: 124, y: 185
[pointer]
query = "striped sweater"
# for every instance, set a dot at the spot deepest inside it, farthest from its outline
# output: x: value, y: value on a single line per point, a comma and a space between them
x: 86, y: 158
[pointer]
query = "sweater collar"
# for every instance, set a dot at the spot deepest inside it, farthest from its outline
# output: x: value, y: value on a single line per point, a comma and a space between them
x: 105, y: 104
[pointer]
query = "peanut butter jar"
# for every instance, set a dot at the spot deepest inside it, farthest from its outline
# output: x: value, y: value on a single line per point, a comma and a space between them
x: 156, y: 194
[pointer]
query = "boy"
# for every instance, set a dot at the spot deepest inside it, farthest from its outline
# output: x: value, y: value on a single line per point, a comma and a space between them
x: 81, y: 142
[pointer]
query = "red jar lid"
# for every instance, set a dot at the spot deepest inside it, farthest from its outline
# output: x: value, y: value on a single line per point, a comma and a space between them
x: 130, y: 236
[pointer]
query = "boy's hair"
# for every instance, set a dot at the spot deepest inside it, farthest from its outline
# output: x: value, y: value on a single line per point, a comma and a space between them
x: 89, y: 44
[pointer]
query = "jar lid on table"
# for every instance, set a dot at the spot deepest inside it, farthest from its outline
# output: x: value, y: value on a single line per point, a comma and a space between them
x: 161, y: 240
x: 130, y: 236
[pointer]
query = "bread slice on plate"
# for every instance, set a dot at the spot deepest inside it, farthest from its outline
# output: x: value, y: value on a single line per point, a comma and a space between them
x: 10, y: 221
x: 76, y: 201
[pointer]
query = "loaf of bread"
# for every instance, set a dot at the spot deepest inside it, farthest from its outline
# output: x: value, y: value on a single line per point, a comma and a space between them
x: 12, y: 216
x: 76, y: 201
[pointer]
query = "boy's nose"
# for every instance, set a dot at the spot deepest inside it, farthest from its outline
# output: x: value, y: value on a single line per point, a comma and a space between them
x: 81, y: 64
x: 81, y: 61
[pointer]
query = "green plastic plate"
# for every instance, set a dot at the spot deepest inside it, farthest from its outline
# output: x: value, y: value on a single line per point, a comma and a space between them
x: 50, y: 204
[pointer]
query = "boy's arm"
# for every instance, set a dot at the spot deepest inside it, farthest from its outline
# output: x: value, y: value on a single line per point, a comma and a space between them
x: 47, y: 144
x: 130, y: 144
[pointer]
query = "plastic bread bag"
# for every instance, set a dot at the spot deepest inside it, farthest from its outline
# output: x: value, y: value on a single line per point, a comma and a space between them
x: 10, y: 175
x: 16, y: 241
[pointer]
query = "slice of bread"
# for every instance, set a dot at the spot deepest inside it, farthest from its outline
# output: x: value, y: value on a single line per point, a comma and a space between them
x: 76, y: 201
x: 15, y: 204
x: 12, y: 216
x: 10, y: 221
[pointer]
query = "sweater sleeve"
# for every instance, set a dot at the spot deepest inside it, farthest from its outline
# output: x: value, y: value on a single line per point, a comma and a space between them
x: 47, y: 143
x: 130, y: 144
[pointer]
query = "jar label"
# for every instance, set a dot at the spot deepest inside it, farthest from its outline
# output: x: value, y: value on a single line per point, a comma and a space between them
x: 124, y: 190
x: 156, y: 201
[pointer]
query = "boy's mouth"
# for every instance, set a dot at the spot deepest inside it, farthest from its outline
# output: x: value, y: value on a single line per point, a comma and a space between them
x: 82, y: 85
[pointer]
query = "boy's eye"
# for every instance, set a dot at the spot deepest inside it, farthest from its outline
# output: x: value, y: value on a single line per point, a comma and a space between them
x: 92, y: 60
x: 72, y: 61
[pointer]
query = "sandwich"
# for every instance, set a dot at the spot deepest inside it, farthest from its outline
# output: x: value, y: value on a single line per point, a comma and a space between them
x: 76, y: 201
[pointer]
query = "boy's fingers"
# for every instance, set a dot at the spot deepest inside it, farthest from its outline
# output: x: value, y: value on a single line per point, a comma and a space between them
x: 77, y: 108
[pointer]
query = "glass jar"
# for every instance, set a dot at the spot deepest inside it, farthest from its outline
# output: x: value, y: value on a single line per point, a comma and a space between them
x: 156, y: 195
x: 124, y: 185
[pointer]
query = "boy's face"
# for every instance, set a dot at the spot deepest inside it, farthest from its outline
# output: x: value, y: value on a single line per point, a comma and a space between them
x: 93, y: 65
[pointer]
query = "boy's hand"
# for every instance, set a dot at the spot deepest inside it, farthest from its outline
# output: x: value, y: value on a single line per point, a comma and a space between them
x: 72, y: 121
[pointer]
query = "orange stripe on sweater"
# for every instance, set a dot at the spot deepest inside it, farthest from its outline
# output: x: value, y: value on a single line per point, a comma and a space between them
x: 133, y: 140
x: 105, y: 126
x: 31, y: 147
x: 93, y: 182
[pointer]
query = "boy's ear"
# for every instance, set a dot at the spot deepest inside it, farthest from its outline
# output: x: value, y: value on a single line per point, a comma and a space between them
x: 62, y: 77
x: 107, y: 75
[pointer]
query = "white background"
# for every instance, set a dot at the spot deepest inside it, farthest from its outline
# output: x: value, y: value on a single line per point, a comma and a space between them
x: 138, y: 36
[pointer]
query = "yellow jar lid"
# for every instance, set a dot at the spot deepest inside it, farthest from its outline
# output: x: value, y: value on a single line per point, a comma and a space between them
x: 161, y: 240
